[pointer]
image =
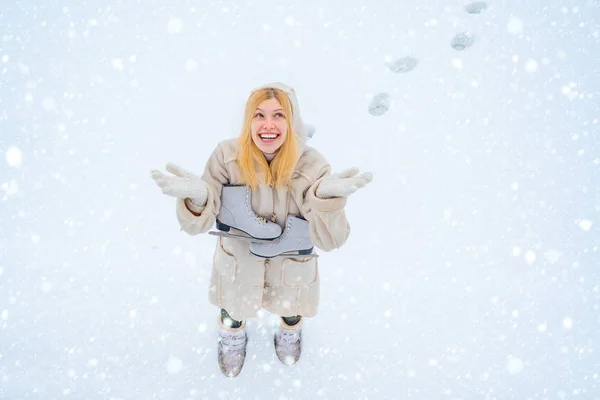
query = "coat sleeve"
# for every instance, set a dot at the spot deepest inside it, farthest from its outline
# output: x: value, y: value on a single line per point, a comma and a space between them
x: 329, y: 228
x: 193, y: 219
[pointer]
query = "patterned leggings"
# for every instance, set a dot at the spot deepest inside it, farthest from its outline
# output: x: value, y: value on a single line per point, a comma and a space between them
x: 291, y: 321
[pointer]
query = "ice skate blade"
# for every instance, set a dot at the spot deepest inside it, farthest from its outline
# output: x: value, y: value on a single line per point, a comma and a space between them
x: 289, y: 255
x: 239, y: 237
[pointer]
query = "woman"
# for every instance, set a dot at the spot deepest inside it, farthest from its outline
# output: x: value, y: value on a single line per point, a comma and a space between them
x: 283, y: 177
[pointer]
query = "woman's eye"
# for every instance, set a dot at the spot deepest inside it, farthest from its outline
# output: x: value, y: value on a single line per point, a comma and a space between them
x: 258, y: 115
x: 279, y: 115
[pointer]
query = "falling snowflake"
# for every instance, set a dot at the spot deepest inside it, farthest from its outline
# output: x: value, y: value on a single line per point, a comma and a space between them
x: 174, y: 365
x: 515, y: 26
x: 514, y: 365
x: 14, y: 157
x: 585, y: 225
x: 531, y: 66
x: 191, y: 65
x: 174, y: 26
x: 49, y: 104
x: 552, y: 256
x: 530, y: 257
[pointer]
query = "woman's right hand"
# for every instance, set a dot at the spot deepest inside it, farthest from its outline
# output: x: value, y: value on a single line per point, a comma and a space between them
x: 182, y: 184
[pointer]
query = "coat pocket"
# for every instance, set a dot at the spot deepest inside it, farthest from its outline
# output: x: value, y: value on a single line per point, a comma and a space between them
x: 297, y: 273
x: 225, y: 262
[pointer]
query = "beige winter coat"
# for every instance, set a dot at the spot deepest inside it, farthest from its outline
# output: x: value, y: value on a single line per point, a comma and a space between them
x: 243, y: 283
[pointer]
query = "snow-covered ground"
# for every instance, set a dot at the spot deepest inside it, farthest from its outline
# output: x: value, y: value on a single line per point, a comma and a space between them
x: 472, y: 271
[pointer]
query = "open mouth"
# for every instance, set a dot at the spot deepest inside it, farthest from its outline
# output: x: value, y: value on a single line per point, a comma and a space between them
x: 268, y: 137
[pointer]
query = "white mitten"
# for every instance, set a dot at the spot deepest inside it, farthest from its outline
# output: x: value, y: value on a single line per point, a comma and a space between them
x: 343, y: 184
x: 183, y: 185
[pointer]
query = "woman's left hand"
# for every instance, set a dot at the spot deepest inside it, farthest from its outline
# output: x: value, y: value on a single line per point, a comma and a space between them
x: 343, y: 184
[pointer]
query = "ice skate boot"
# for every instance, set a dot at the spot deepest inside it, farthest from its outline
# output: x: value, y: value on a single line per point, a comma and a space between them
x: 232, y: 348
x: 236, y: 214
x: 294, y: 241
x: 288, y: 342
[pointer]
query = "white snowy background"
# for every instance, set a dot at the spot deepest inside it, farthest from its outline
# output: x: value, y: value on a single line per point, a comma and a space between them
x: 472, y: 268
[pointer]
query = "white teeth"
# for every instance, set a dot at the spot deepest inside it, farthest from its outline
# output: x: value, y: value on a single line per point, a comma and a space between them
x: 268, y: 136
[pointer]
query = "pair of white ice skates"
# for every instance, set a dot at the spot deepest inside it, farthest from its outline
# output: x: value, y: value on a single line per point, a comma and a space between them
x: 237, y: 220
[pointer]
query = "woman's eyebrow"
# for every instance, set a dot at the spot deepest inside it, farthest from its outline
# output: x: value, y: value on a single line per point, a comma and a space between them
x: 279, y: 109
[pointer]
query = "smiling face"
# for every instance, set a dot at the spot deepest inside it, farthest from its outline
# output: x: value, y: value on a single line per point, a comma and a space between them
x: 269, y: 126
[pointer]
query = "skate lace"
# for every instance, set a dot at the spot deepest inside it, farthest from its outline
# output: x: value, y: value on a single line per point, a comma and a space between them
x: 251, y: 213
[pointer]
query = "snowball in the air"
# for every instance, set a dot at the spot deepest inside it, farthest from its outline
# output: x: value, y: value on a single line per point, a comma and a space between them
x: 462, y: 41
x: 380, y: 104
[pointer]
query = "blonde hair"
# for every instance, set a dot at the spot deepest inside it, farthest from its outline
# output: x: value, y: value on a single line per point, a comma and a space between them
x: 251, y: 160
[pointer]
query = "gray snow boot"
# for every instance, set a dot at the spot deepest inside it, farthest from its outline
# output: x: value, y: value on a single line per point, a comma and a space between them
x: 236, y: 212
x: 232, y: 348
x: 295, y: 240
x: 288, y: 342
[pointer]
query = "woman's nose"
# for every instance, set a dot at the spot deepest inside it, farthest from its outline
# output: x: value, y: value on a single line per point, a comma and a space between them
x: 269, y: 124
